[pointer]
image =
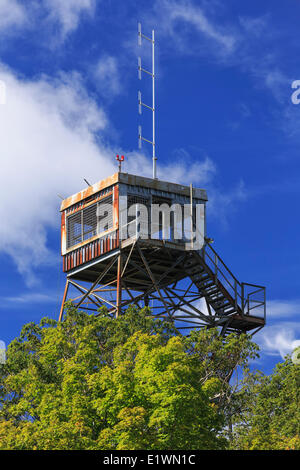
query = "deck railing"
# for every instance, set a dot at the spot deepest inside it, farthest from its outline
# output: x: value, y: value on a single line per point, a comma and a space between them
x: 249, y: 298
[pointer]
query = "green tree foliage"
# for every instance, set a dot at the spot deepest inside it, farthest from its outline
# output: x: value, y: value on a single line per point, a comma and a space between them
x: 94, y: 382
x: 267, y: 410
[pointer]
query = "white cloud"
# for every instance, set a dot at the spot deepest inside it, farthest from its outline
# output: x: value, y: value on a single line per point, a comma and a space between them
x: 51, y: 138
x: 69, y: 12
x: 65, y: 13
x: 199, y: 305
x: 280, y: 339
x: 198, y: 172
x: 28, y: 298
x: 12, y: 14
x: 283, y: 337
x: 247, y: 43
x: 255, y: 26
x: 177, y: 17
x: 283, y: 308
x: 107, y: 76
x: 277, y: 82
x: 222, y: 203
x: 47, y: 134
x: 182, y: 169
x: 185, y: 171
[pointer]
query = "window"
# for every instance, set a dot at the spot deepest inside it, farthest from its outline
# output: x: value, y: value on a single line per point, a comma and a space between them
x: 89, y: 222
x: 74, y: 233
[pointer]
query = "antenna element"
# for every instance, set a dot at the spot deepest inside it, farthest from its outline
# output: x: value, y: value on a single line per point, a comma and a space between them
x: 86, y: 181
x: 140, y: 103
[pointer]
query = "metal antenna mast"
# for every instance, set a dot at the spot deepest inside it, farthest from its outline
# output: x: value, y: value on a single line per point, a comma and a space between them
x: 152, y: 74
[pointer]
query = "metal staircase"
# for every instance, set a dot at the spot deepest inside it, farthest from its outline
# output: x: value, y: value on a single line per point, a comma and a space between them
x: 233, y: 305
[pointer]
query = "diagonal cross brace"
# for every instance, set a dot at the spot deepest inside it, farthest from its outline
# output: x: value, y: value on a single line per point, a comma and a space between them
x: 152, y: 279
x: 97, y: 281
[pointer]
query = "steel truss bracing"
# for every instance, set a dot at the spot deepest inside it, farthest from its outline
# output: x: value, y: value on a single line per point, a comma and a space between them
x: 193, y: 289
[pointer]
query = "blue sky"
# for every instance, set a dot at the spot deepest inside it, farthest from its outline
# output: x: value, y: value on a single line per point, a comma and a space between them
x: 225, y: 121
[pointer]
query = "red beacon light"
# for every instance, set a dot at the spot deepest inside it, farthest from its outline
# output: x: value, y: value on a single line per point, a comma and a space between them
x: 120, y: 160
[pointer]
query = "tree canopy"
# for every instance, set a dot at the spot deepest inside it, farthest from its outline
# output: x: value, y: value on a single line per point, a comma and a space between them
x: 96, y: 382
x: 267, y: 415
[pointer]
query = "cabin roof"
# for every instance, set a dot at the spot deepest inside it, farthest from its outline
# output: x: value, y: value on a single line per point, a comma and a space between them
x: 132, y: 180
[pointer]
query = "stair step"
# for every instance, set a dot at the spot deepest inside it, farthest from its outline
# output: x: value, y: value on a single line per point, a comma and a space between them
x: 217, y: 301
x: 211, y: 288
x: 227, y: 332
x: 217, y: 296
x: 203, y: 280
x: 200, y: 279
x: 214, y: 291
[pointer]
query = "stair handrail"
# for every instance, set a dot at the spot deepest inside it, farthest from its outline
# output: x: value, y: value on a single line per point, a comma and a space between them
x: 220, y: 259
x: 233, y: 283
x: 259, y: 303
x: 238, y: 287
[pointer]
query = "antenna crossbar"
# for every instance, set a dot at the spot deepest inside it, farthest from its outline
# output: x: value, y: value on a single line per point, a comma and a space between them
x: 145, y: 37
x: 141, y: 138
x: 146, y: 71
x: 142, y: 104
x: 146, y: 140
x: 145, y: 105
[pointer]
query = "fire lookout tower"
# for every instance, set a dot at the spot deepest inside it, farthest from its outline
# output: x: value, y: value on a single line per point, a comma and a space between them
x: 112, y: 258
x: 134, y: 240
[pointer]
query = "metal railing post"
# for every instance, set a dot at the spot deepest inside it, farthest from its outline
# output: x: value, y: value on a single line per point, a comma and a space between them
x: 216, y: 267
x: 243, y: 300
x: 137, y: 225
x: 265, y: 306
x: 235, y: 294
